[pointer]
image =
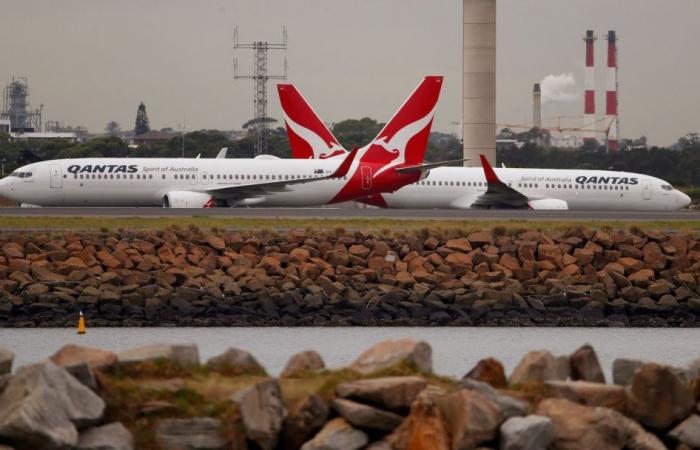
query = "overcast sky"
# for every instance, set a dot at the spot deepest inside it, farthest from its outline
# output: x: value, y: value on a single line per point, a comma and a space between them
x: 92, y: 61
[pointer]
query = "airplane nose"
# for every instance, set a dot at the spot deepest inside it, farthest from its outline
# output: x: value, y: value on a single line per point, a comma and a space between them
x: 685, y: 199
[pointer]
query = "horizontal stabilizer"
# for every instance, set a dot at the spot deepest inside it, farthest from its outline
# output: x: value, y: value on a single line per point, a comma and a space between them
x: 427, y: 166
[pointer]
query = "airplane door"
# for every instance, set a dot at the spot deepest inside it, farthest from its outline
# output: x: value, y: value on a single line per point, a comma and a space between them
x: 366, y: 172
x: 56, y: 178
x: 205, y: 178
x: 646, y: 190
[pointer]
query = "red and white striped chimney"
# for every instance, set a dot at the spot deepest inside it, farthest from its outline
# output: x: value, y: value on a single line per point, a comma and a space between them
x: 589, y: 97
x: 611, y: 94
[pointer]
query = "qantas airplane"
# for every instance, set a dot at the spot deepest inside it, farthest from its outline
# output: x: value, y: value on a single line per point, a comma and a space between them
x: 392, y: 160
x: 474, y: 187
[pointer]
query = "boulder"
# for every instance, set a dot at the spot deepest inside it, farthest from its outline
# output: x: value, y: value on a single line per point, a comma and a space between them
x: 390, y: 353
x: 113, y: 436
x: 72, y: 354
x: 623, y: 370
x: 43, y: 406
x: 688, y: 432
x: 526, y: 433
x: 423, y: 429
x: 510, y: 407
x: 365, y: 416
x: 588, y: 393
x: 585, y: 366
x: 303, y: 363
x: 537, y: 366
x: 196, y: 433
x: 185, y: 355
x: 83, y: 373
x: 659, y: 397
x: 6, y: 358
x: 480, y: 238
x: 470, y: 418
x: 489, y: 370
x: 391, y: 393
x: 263, y: 412
x: 337, y: 434
x: 235, y: 361
x: 578, y: 427
x: 304, y: 419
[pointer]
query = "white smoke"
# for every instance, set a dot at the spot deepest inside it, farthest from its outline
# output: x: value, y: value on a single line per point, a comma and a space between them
x: 559, y: 88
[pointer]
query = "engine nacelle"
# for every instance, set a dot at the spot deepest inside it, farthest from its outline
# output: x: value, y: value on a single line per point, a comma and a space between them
x: 187, y: 199
x: 548, y: 204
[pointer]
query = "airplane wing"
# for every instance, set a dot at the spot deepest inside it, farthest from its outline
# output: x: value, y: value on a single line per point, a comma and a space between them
x: 427, y: 166
x: 257, y: 189
x: 499, y: 195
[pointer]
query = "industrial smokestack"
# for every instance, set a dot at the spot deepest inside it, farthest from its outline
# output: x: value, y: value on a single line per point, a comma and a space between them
x: 589, y: 97
x: 537, y: 106
x: 611, y: 94
x: 479, y: 81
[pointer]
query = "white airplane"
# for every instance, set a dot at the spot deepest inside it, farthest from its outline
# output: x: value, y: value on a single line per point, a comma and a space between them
x: 474, y: 187
x: 392, y: 160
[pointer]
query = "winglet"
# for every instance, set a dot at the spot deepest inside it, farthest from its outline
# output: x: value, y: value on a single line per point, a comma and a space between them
x: 491, y: 176
x: 344, y: 167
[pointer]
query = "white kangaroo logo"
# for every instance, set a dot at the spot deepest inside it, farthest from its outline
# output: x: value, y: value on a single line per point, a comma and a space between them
x: 397, y: 143
x: 319, y: 146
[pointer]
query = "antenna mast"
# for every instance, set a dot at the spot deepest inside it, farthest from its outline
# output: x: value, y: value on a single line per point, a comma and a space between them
x: 260, y: 76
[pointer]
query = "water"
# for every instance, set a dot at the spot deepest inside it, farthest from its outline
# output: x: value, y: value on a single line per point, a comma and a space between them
x: 455, y: 350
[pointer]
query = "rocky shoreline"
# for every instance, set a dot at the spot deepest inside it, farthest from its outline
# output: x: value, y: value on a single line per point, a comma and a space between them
x: 192, y: 277
x: 161, y: 397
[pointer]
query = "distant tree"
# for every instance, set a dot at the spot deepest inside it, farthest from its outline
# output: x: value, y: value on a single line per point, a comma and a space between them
x: 142, y: 123
x: 112, y: 128
x: 690, y: 140
x: 353, y: 133
x: 253, y: 122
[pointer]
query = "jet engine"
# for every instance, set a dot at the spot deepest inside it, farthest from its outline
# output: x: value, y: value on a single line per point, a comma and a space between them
x: 187, y: 199
x: 548, y: 204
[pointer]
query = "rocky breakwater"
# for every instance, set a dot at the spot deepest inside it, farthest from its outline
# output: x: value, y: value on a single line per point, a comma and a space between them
x: 576, y: 277
x: 162, y: 397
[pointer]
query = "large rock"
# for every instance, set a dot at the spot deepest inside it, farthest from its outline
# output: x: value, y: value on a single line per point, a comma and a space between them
x: 337, y: 434
x: 423, y: 429
x: 489, y: 370
x: 365, y: 416
x: 591, y: 394
x: 470, y: 418
x: 623, y: 370
x: 526, y: 433
x: 578, y: 427
x: 659, y: 397
x: 304, y: 419
x: 303, y: 363
x: 197, y: 433
x: 235, y: 361
x: 83, y: 373
x: 263, y: 412
x: 185, y: 355
x: 387, y: 354
x: 509, y: 406
x: 6, y: 358
x: 585, y: 366
x: 113, y: 436
x: 391, y: 393
x: 43, y: 406
x: 71, y: 354
x: 537, y: 367
x: 688, y: 431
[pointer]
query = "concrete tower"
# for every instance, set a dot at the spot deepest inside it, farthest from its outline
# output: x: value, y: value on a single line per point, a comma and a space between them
x: 589, y: 98
x: 479, y: 82
x: 537, y: 106
x: 611, y: 94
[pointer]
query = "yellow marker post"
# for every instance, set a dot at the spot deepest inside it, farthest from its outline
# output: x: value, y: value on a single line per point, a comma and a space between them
x: 81, y: 324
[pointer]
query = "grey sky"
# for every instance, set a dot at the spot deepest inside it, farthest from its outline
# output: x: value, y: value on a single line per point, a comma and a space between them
x: 92, y: 61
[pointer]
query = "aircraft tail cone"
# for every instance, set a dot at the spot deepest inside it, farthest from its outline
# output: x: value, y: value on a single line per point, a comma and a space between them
x: 81, y: 324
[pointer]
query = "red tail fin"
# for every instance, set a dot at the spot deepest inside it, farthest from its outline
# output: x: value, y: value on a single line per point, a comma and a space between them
x: 308, y: 136
x: 405, y: 137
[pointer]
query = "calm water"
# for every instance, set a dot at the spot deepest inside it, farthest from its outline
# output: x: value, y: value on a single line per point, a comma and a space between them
x: 455, y: 350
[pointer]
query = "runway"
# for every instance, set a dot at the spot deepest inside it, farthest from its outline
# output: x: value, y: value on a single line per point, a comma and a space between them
x: 340, y: 213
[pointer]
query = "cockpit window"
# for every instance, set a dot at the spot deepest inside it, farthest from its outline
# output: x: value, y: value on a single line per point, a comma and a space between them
x: 666, y: 187
x: 19, y: 174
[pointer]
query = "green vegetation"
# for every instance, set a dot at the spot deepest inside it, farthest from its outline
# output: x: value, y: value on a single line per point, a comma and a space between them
x: 142, y: 124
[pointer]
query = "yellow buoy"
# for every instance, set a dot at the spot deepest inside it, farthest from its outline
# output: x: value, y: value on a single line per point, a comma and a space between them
x: 81, y: 324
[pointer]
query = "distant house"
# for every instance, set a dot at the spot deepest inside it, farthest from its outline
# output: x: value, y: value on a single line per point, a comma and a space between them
x: 152, y: 137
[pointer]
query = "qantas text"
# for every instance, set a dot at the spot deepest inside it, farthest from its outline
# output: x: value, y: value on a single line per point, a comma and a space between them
x: 103, y: 168
x: 606, y: 180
